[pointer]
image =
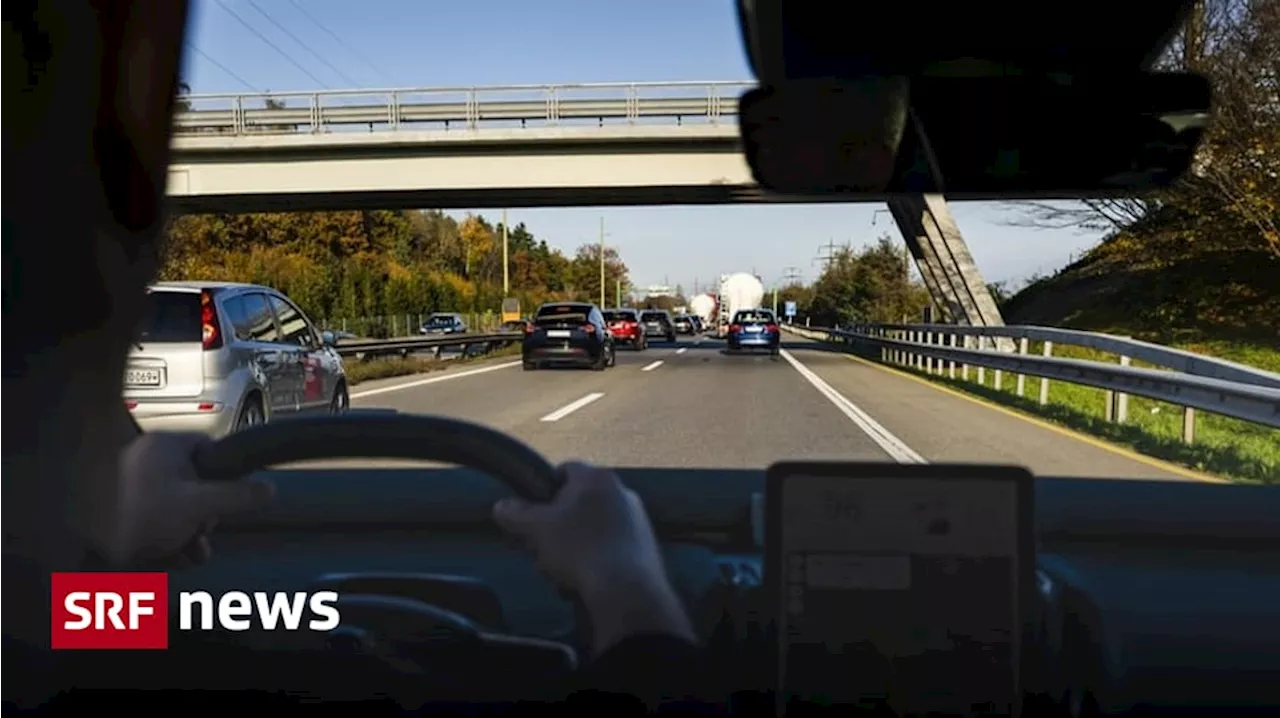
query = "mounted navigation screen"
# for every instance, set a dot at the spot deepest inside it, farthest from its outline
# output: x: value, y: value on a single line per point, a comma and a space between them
x: 898, y: 587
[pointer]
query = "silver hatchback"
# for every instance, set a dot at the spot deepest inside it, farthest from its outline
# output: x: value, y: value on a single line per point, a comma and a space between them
x: 215, y: 357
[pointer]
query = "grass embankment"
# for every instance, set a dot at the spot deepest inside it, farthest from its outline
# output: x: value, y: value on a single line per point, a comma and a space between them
x: 1162, y: 288
x: 388, y: 367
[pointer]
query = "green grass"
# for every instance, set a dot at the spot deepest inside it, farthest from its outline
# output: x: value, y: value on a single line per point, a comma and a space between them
x: 388, y: 367
x: 1238, y: 450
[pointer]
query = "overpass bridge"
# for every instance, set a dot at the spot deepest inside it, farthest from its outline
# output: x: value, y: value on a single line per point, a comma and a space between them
x: 511, y: 146
x: 641, y: 143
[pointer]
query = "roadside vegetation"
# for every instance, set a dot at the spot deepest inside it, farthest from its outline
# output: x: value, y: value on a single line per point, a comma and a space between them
x: 385, y: 265
x: 1195, y: 266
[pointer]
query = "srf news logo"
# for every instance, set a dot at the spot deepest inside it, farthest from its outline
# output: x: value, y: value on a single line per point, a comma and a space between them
x: 131, y: 611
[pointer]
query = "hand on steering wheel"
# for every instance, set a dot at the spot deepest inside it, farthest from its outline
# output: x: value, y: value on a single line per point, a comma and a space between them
x: 163, y: 511
x: 594, y: 539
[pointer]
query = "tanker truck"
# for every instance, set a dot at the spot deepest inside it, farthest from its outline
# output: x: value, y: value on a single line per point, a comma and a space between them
x: 737, y: 292
x: 704, y: 305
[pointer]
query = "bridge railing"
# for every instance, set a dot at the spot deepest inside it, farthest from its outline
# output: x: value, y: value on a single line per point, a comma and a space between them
x: 1195, y: 382
x: 446, y: 108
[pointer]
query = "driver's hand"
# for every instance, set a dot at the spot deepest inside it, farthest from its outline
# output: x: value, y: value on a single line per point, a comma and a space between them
x: 163, y: 511
x: 594, y: 539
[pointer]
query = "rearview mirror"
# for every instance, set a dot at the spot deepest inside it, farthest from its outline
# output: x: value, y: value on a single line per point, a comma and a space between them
x: 978, y: 137
x: 329, y: 338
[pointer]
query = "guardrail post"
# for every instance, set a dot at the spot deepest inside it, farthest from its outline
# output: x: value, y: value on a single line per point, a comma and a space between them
x: 928, y: 360
x: 951, y: 363
x: 1188, y: 425
x: 964, y: 368
x: 982, y: 370
x: 1044, y: 383
x: 1117, y: 408
x: 1022, y: 378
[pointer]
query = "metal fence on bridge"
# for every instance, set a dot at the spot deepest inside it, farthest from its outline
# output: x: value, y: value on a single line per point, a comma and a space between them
x: 514, y: 106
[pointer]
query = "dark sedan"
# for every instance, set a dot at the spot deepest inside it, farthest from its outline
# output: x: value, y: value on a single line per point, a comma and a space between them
x: 657, y: 323
x: 569, y: 333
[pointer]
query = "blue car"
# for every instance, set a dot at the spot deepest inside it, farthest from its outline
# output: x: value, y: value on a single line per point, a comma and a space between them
x: 754, y: 330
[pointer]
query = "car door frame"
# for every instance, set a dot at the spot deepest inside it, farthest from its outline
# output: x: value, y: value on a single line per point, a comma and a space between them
x: 307, y: 358
x: 268, y: 359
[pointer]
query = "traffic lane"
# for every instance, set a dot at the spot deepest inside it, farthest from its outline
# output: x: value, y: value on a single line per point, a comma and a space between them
x: 509, y: 397
x: 943, y: 427
x: 503, y: 397
x: 703, y: 409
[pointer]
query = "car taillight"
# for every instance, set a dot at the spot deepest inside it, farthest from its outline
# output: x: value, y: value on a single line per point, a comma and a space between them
x: 632, y: 325
x: 773, y: 328
x: 528, y: 328
x: 589, y: 328
x: 735, y: 328
x: 210, y: 335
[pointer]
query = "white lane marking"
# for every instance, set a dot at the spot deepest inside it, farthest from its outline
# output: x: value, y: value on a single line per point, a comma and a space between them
x: 682, y: 350
x: 434, y: 379
x: 653, y: 366
x: 892, y: 445
x: 568, y: 409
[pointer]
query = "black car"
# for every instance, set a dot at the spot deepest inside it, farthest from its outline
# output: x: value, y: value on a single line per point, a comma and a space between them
x: 684, y: 324
x: 568, y: 333
x: 657, y: 323
x: 443, y: 323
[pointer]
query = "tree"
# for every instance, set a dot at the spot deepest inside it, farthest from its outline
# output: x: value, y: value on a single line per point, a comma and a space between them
x: 584, y: 273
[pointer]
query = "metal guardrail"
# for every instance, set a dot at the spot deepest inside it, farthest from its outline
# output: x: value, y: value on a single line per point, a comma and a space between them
x: 463, y: 107
x: 370, y: 348
x: 1213, y: 385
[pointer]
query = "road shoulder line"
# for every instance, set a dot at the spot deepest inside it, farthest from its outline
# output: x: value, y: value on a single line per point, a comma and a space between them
x: 571, y: 407
x: 896, y: 448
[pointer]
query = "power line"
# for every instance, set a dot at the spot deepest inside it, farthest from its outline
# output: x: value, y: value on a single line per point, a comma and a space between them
x: 273, y: 46
x: 340, y: 41
x: 222, y: 67
x: 350, y: 82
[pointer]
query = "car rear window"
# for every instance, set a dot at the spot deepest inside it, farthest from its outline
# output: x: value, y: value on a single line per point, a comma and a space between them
x: 170, y: 317
x: 558, y: 309
x: 761, y: 317
x: 619, y: 316
x: 653, y: 316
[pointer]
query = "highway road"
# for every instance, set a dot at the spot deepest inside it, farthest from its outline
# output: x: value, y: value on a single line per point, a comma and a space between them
x: 689, y: 405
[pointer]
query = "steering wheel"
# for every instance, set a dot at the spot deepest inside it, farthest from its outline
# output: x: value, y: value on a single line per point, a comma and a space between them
x: 402, y: 630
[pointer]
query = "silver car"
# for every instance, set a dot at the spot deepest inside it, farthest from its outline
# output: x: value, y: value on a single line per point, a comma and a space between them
x: 216, y: 357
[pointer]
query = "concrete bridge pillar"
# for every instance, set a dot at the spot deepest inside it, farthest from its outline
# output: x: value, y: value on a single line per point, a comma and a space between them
x: 948, y: 269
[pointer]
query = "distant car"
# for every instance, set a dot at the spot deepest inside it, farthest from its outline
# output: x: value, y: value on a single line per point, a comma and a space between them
x: 443, y: 324
x: 217, y: 357
x: 683, y: 324
x: 754, y: 329
x: 625, y: 326
x: 657, y: 323
x: 568, y: 333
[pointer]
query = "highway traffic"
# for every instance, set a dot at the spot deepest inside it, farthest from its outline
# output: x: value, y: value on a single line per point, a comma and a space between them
x: 688, y: 404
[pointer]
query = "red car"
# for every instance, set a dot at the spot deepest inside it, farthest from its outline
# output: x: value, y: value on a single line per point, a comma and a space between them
x: 625, y: 326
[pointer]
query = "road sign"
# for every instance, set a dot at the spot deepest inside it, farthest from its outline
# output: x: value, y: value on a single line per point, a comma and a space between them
x: 789, y: 308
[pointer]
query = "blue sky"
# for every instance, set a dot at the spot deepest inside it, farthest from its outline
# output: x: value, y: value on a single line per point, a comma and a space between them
x: 431, y: 43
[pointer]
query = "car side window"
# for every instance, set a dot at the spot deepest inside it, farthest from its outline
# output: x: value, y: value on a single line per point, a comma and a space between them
x: 259, y: 324
x: 236, y: 312
x: 293, y: 325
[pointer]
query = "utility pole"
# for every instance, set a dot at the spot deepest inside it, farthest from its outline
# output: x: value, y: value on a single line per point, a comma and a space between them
x: 775, y: 301
x: 791, y: 275
x: 617, y: 288
x: 506, y: 283
x: 830, y: 256
x: 602, y: 262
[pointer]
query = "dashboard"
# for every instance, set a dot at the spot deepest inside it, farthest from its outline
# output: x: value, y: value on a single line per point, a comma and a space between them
x: 1150, y: 594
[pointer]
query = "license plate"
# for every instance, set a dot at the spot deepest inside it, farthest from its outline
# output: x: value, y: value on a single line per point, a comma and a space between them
x: 558, y: 333
x: 142, y: 377
x: 753, y: 330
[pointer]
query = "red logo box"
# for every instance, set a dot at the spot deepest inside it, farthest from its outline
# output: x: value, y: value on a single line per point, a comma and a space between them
x: 110, y: 611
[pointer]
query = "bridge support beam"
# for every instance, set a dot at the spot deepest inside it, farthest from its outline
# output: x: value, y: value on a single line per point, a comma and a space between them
x: 948, y: 269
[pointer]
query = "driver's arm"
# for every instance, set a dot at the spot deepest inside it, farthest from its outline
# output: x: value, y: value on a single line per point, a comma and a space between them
x: 594, y: 539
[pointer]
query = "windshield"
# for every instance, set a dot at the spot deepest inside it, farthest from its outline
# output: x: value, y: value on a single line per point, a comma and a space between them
x: 888, y: 320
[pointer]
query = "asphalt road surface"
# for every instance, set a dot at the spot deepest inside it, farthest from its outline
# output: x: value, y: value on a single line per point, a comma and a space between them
x: 690, y: 405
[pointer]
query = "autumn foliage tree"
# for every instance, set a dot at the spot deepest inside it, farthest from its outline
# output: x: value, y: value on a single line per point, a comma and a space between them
x: 378, y: 263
